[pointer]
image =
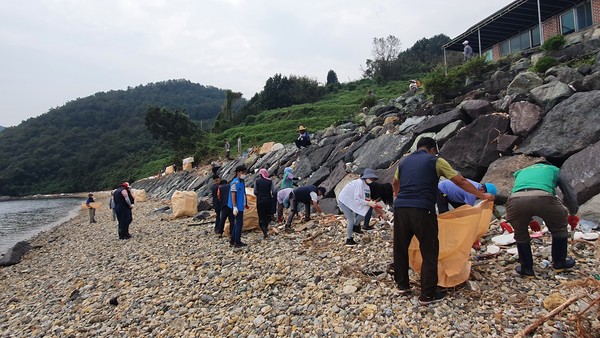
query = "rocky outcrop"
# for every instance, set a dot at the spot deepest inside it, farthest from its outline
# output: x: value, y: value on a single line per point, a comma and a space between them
x: 506, y: 121
x: 13, y: 255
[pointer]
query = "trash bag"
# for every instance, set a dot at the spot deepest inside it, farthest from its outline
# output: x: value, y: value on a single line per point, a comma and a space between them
x: 457, y: 230
x: 139, y: 195
x: 184, y: 203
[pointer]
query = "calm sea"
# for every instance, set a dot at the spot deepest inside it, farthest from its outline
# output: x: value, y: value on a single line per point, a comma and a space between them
x: 21, y: 220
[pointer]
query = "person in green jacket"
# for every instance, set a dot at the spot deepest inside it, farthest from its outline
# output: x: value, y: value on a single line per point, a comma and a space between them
x: 534, y: 194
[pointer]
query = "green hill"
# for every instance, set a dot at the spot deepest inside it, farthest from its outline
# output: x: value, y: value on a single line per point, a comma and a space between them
x: 95, y: 142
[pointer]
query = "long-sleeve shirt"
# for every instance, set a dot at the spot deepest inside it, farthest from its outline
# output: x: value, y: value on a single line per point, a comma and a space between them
x: 354, y: 195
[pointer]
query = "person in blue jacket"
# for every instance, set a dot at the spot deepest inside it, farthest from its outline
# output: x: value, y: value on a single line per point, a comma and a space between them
x: 303, y: 138
x: 237, y: 201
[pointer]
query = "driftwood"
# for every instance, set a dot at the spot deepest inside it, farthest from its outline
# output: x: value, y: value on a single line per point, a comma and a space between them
x: 552, y: 313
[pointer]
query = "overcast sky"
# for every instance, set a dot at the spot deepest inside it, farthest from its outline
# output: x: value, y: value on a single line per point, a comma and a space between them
x: 54, y: 51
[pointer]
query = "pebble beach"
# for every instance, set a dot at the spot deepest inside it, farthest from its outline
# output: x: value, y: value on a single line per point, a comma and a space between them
x: 176, y: 278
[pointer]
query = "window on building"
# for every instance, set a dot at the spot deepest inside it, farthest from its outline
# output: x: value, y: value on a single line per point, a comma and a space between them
x: 576, y: 19
x: 567, y: 22
x: 488, y: 55
x: 515, y: 43
x: 584, y: 15
x: 535, y: 36
x: 525, y: 40
x: 505, y: 48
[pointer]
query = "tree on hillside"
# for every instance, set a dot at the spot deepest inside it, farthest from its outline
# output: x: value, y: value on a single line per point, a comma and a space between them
x: 173, y: 127
x: 332, y: 78
x: 384, y: 51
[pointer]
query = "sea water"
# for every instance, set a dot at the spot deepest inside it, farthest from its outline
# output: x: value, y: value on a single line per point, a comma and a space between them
x: 22, y: 219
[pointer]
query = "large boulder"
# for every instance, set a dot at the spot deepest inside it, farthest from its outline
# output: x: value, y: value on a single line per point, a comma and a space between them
x: 438, y: 122
x: 569, y: 127
x: 410, y: 123
x: 318, y: 176
x: 497, y: 82
x: 476, y: 108
x: 524, y: 116
x: 15, y: 254
x: 381, y: 151
x: 344, y: 150
x: 501, y: 171
x: 564, y: 74
x: 329, y: 206
x: 448, y: 132
x: 523, y: 83
x: 591, y: 210
x: 549, y: 95
x: 319, y: 155
x: 473, y: 149
x: 591, y: 82
x: 583, y: 170
x: 336, y: 175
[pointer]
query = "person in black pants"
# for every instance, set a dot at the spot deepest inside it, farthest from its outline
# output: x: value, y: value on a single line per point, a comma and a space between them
x: 123, y: 205
x: 415, y: 185
x: 225, y: 212
x: 214, y: 190
x: 307, y: 195
x: 265, y: 193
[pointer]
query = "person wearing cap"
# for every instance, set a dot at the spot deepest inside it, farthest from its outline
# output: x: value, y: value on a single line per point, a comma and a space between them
x: 123, y: 204
x: 264, y: 190
x: 354, y: 201
x: 91, y: 209
x: 415, y: 188
x: 307, y: 195
x: 450, y: 193
x: 467, y: 51
x: 534, y: 194
x: 303, y: 138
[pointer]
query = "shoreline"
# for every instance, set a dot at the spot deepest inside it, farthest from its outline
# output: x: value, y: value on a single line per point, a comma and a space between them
x: 174, y: 279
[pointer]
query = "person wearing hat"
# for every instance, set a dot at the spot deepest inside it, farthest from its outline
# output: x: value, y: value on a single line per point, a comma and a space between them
x: 467, y: 51
x: 303, y: 138
x: 355, y: 201
x: 307, y: 195
x: 91, y: 209
x: 123, y: 204
x: 450, y: 193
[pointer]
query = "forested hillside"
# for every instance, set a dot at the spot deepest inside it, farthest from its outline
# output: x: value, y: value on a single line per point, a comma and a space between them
x: 95, y: 142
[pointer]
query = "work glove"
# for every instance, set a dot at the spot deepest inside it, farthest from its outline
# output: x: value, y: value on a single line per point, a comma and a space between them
x: 506, y: 227
x: 235, y: 211
x: 573, y: 220
x: 247, y: 207
x: 132, y: 206
x: 535, y: 226
x: 372, y: 204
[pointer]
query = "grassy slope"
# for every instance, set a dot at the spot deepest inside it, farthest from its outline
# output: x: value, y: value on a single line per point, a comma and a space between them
x: 280, y: 125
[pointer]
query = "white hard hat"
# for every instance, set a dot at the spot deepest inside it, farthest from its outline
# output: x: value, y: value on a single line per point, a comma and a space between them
x: 466, y: 42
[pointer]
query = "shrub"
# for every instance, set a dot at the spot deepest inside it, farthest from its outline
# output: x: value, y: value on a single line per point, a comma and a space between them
x: 475, y: 67
x: 544, y: 64
x: 554, y: 43
x: 369, y: 101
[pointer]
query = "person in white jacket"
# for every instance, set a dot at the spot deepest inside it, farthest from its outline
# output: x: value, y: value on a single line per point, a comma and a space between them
x: 354, y: 201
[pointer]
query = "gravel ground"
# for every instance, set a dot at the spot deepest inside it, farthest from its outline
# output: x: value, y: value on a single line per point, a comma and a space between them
x: 176, y: 278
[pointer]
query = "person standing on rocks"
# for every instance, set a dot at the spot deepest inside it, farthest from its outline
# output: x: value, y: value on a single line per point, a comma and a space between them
x: 215, y: 199
x: 237, y: 199
x: 265, y: 193
x: 306, y: 195
x: 225, y: 212
x: 227, y: 150
x: 111, y: 205
x: 415, y: 187
x: 534, y: 194
x: 123, y: 205
x: 91, y: 209
x: 355, y: 201
x: 467, y: 51
x: 379, y: 192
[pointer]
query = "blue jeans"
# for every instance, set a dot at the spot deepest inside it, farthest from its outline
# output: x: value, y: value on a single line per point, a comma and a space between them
x: 352, y: 218
x: 236, y: 232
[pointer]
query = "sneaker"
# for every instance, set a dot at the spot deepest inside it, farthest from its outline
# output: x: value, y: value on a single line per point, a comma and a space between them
x: 525, y: 272
x: 368, y: 228
x: 430, y: 300
x: 350, y: 242
x: 240, y: 245
x: 357, y: 229
x: 404, y: 290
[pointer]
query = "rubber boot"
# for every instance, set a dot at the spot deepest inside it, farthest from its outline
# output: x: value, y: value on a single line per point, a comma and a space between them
x: 265, y: 231
x: 559, y: 255
x: 526, y: 259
